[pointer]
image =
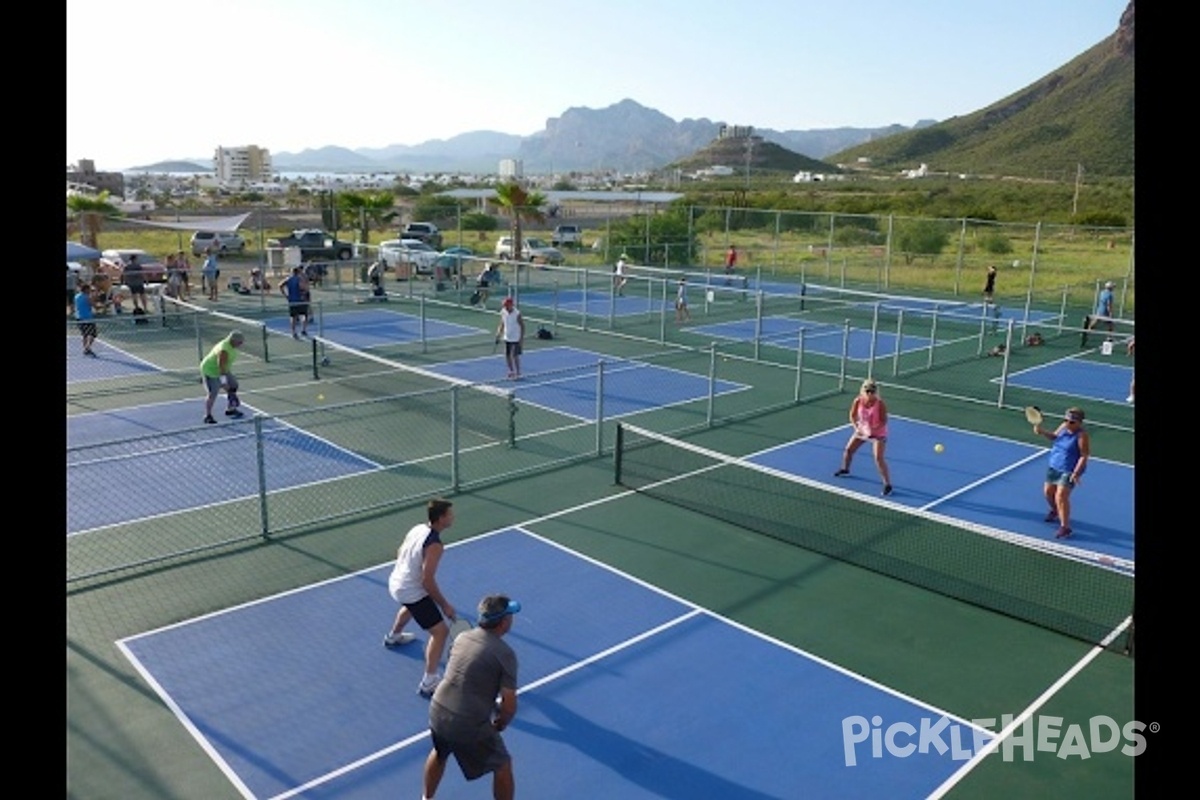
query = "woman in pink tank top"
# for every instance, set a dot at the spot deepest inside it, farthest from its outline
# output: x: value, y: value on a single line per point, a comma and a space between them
x: 868, y: 423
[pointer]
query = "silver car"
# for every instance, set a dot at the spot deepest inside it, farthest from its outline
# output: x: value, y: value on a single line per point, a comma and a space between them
x: 220, y: 241
x: 417, y: 254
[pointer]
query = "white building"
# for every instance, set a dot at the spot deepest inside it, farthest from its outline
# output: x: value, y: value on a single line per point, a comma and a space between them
x: 242, y: 165
x: 512, y: 168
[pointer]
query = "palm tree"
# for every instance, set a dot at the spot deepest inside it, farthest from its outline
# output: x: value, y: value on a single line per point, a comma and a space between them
x: 369, y: 208
x: 91, y: 210
x: 522, y: 204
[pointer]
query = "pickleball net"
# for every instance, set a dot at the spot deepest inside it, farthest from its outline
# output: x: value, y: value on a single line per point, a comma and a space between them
x: 1057, y: 587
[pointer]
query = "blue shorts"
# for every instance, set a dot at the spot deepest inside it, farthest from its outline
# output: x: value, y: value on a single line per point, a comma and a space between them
x: 1058, y: 478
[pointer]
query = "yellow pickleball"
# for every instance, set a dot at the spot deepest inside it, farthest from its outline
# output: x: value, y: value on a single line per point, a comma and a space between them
x: 322, y: 397
x: 939, y: 448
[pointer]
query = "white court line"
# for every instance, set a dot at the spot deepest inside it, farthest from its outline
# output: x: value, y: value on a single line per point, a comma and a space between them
x: 1018, y: 721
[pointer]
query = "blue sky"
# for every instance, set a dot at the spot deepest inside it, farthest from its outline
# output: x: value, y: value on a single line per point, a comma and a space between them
x: 149, y: 80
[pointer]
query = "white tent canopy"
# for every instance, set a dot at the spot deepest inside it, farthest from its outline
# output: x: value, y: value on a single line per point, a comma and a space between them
x: 219, y: 224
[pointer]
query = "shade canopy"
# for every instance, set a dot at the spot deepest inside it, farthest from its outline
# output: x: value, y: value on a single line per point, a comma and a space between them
x: 80, y: 252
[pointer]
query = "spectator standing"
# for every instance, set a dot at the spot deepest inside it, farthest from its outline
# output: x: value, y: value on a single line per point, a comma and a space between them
x: 72, y: 287
x: 512, y: 329
x: 210, y: 272
x: 185, y: 268
x: 989, y: 285
x: 134, y: 278
x: 85, y: 317
x: 174, y: 286
x: 295, y: 289
x: 475, y: 702
x: 413, y: 584
x: 731, y: 257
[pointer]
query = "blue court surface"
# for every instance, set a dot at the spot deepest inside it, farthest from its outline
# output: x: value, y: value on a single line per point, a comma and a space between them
x: 624, y: 692
x: 1098, y: 380
x: 819, y: 338
x: 363, y: 330
x: 109, y: 362
x: 563, y: 379
x: 981, y: 480
x: 142, y: 461
x: 596, y: 303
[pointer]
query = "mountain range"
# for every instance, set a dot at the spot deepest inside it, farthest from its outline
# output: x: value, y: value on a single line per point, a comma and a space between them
x: 1081, y: 113
x: 626, y: 137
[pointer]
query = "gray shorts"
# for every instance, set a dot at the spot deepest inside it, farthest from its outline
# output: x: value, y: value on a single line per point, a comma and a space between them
x: 213, y: 385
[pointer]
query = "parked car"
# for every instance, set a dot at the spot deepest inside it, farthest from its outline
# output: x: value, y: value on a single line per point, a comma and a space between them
x: 532, y: 249
x: 112, y: 264
x: 223, y: 242
x: 567, y: 236
x: 454, y: 260
x: 412, y: 252
x: 425, y: 232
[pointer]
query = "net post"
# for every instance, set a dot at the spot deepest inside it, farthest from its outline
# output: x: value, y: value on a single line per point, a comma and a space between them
x: 1008, y: 337
x: 511, y: 397
x: 263, y: 332
x: 454, y: 476
x: 316, y: 372
x: 424, y: 339
x: 899, y: 338
x: 618, y: 448
x: 799, y: 364
x: 758, y: 313
x: 600, y: 407
x: 260, y: 458
x: 845, y: 356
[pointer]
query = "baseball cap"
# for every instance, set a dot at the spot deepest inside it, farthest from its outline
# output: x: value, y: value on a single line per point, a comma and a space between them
x: 1074, y: 414
x: 508, y: 301
x: 1109, y: 284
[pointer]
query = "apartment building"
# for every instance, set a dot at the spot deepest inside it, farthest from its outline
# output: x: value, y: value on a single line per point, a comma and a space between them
x: 242, y: 165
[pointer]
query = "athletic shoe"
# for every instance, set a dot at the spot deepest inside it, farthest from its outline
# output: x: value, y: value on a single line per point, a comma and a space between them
x: 233, y: 412
x: 887, y: 489
x: 209, y: 420
x: 304, y: 334
x: 1052, y: 515
x: 1127, y: 399
x: 404, y: 637
x: 426, y: 689
x: 1063, y: 533
x: 296, y: 336
x: 841, y: 472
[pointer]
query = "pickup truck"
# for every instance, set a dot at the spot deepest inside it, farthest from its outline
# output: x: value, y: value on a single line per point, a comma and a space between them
x: 316, y: 244
x: 425, y: 232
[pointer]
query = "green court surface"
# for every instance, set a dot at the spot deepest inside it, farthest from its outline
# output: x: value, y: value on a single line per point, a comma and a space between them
x: 556, y: 478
